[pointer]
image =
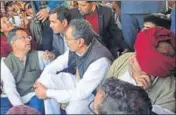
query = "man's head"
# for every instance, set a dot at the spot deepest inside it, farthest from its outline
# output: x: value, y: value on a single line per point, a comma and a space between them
x: 116, y: 5
x: 59, y: 19
x: 5, y: 25
x: 155, y: 51
x: 118, y: 97
x: 156, y: 20
x: 86, y: 7
x: 73, y: 4
x: 19, y: 40
x: 78, y: 35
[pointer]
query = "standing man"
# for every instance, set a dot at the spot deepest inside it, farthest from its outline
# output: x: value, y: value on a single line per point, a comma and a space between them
x: 91, y: 61
x: 102, y: 20
x: 116, y: 6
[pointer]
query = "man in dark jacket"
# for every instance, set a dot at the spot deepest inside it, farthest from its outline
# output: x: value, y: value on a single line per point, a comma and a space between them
x: 103, y: 23
x: 59, y: 20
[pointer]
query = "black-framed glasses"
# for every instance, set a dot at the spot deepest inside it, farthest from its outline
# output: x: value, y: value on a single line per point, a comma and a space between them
x: 90, y: 107
x: 21, y: 37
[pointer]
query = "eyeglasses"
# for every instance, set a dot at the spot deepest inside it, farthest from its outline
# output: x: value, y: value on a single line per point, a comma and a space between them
x: 90, y: 107
x: 21, y: 37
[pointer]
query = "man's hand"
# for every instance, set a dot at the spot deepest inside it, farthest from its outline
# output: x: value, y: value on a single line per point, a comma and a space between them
x: 141, y: 78
x: 42, y: 14
x: 125, y: 51
x: 40, y: 90
x: 48, y: 55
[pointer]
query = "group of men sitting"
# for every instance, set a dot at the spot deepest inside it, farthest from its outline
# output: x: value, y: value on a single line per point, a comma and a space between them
x: 85, y: 77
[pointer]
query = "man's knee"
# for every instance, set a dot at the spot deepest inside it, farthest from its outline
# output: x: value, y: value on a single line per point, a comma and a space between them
x: 37, y: 103
x: 5, y: 105
x: 79, y: 107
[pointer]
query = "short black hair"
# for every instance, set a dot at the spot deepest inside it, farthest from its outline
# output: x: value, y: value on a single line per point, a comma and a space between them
x: 118, y: 3
x: 123, y: 98
x: 158, y: 20
x: 82, y: 29
x: 62, y: 13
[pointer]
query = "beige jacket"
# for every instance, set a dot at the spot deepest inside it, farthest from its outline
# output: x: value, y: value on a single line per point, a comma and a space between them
x: 162, y: 90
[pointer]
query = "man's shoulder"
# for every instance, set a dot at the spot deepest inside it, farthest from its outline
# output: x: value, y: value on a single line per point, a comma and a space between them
x: 167, y: 82
x: 56, y: 36
x: 33, y: 52
x: 125, y: 56
x: 104, y: 8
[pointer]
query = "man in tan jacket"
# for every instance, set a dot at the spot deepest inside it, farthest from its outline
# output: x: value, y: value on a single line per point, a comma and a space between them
x: 152, y: 66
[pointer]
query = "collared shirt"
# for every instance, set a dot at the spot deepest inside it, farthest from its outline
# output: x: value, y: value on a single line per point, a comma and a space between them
x: 65, y: 44
x: 117, y: 20
x: 9, y: 84
x: 84, y: 87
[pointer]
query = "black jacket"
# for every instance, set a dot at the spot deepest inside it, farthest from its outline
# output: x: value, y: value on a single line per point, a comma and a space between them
x: 111, y: 35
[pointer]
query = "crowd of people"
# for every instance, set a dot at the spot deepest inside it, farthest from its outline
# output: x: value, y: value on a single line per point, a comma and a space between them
x: 88, y: 57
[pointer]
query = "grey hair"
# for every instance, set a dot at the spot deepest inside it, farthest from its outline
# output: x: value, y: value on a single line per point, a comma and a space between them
x: 12, y: 33
x: 82, y: 29
x: 123, y: 98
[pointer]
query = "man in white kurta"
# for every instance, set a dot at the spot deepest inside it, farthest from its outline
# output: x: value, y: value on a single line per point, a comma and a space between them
x: 19, y: 71
x: 92, y: 61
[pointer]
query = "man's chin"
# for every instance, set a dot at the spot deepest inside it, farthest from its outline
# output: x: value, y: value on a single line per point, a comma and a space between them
x: 56, y: 32
x: 82, y: 13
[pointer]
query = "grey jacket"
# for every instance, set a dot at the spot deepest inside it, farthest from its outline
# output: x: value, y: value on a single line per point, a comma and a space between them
x: 58, y: 45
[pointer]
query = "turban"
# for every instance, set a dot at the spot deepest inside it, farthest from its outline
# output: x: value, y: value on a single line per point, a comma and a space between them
x: 149, y: 58
x: 23, y: 109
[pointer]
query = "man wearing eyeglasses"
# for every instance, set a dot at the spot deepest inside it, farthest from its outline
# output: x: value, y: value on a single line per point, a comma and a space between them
x: 19, y: 72
x: 91, y: 61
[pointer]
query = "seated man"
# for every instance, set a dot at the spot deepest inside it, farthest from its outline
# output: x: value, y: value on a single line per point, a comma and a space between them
x: 5, y: 27
x: 152, y: 66
x: 59, y: 19
x: 19, y: 72
x: 118, y: 97
x: 91, y: 61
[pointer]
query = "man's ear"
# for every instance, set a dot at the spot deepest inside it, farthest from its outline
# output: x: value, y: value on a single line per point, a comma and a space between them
x: 81, y: 42
x: 12, y: 43
x: 65, y: 22
x: 1, y: 29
